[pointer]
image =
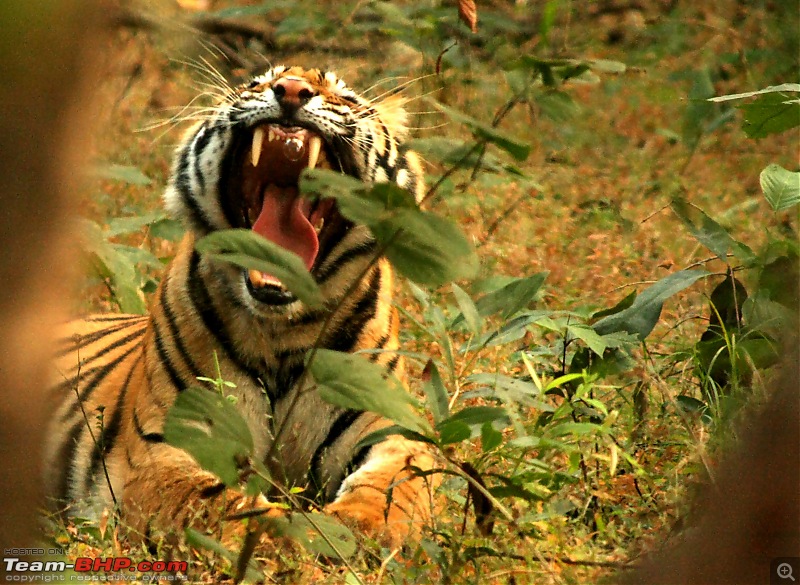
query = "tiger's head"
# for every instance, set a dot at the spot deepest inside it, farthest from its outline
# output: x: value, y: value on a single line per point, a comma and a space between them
x: 240, y: 168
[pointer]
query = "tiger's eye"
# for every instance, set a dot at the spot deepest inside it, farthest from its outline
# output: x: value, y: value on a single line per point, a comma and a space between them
x: 294, y: 149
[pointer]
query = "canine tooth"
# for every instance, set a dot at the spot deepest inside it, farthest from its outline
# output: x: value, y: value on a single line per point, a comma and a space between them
x: 258, y: 139
x: 314, y: 146
x: 319, y: 224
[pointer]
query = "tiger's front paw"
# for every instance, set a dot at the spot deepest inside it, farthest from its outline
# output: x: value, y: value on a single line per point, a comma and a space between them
x: 390, y: 524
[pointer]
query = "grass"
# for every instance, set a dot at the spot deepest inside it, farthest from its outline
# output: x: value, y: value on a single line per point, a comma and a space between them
x: 596, y: 223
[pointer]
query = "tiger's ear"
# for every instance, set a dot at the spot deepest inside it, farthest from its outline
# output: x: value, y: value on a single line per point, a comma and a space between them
x: 392, y: 113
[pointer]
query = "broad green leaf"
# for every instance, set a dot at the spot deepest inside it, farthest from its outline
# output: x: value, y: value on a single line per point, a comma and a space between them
x: 477, y: 415
x: 111, y: 263
x: 208, y: 427
x: 167, y: 229
x: 516, y: 148
x: 318, y: 533
x: 512, y: 297
x: 589, y: 336
x: 690, y: 404
x: 468, y: 309
x: 623, y: 304
x: 453, y: 431
x: 126, y: 174
x: 781, y: 187
x: 640, y: 318
x: 708, y: 232
x: 770, y: 114
x: 436, y: 392
x: 199, y: 540
x: 353, y: 382
x: 128, y: 225
x: 577, y: 429
x: 247, y: 249
x: 426, y: 248
x: 490, y: 437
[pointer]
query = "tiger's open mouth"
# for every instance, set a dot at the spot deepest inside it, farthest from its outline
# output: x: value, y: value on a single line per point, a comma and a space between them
x: 272, y: 206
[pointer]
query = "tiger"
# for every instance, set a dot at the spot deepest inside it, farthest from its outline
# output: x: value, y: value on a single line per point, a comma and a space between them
x: 239, y: 167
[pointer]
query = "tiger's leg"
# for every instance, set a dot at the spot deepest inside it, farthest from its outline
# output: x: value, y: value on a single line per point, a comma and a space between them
x: 390, y: 496
x: 162, y: 487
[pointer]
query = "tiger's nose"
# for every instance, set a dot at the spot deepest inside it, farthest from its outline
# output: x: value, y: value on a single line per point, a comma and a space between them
x: 292, y: 92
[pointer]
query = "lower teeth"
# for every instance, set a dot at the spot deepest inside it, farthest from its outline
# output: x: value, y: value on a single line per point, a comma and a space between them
x: 293, y: 149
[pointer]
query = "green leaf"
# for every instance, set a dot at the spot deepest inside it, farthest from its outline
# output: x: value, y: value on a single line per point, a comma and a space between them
x: 111, y: 263
x: 132, y: 224
x: 708, y: 232
x: 353, y: 382
x: 490, y: 438
x: 126, y: 174
x: 247, y: 249
x: 512, y: 297
x: 436, y: 392
x: 589, y: 336
x: 468, y: 309
x: 316, y: 532
x: 477, y: 415
x: 640, y: 318
x: 199, y: 540
x: 516, y: 148
x: 208, y: 427
x: 770, y: 114
x: 781, y: 187
x: 690, y: 404
x: 426, y: 248
x: 453, y: 432
x: 623, y: 304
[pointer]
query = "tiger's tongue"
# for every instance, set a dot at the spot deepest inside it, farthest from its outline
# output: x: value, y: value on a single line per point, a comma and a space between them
x: 283, y: 220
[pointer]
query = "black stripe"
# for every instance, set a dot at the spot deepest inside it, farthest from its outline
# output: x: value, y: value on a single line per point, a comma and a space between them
x: 343, y: 422
x: 66, y: 458
x: 184, y: 187
x: 392, y: 365
x: 199, y: 147
x: 214, y: 324
x: 212, y: 490
x: 344, y: 338
x: 84, y: 362
x: 101, y: 373
x: 79, y: 341
x: 146, y: 437
x: 163, y: 357
x: 357, y: 460
x: 172, y: 324
x: 381, y: 343
x: 359, y: 251
x: 110, y: 318
x: 111, y: 429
